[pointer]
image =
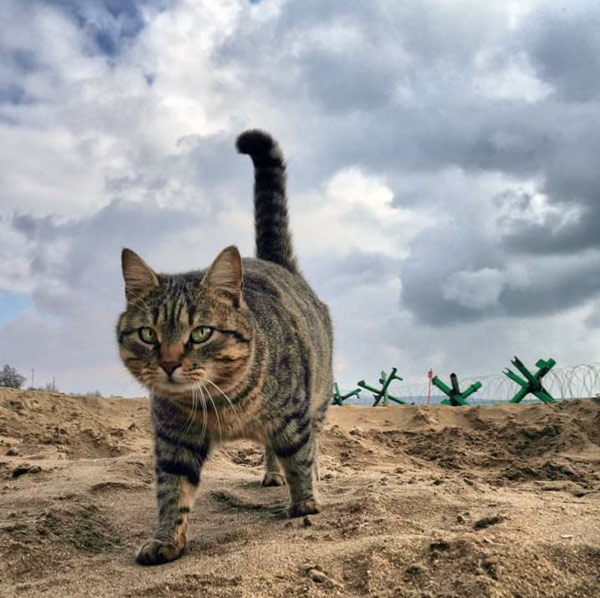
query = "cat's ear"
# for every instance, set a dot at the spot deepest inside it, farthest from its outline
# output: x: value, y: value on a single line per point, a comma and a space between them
x: 139, y: 277
x: 225, y: 273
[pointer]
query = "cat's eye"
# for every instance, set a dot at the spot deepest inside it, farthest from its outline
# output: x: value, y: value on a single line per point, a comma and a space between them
x: 148, y: 335
x: 201, y: 334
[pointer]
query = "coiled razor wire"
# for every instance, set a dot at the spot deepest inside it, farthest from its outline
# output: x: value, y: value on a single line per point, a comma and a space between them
x: 567, y: 382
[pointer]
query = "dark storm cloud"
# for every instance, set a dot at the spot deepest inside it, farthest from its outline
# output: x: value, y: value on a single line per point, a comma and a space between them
x: 558, y: 290
x: 494, y: 278
x: 399, y: 88
x: 552, y: 140
x: 332, y: 81
x: 554, y: 236
x: 564, y: 46
x: 436, y: 256
x: 334, y: 276
x: 393, y: 83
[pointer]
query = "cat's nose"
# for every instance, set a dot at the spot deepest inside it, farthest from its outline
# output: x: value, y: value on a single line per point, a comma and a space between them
x: 170, y: 366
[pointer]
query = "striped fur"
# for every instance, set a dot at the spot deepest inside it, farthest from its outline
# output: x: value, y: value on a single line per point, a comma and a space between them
x: 273, y: 238
x: 264, y: 373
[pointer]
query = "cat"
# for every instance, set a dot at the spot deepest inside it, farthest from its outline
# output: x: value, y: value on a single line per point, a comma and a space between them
x: 242, y: 349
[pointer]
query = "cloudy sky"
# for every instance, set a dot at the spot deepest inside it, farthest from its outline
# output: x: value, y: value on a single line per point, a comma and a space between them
x: 443, y: 171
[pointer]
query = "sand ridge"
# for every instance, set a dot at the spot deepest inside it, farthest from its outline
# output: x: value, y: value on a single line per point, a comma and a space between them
x: 419, y: 502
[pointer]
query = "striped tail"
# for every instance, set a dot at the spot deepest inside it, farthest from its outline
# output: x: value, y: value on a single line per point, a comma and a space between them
x: 273, y: 237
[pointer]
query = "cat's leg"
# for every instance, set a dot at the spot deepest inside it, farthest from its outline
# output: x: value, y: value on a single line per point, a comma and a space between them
x: 273, y: 474
x: 297, y: 456
x: 178, y: 467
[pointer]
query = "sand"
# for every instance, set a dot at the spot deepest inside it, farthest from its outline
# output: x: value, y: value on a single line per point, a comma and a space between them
x: 418, y: 502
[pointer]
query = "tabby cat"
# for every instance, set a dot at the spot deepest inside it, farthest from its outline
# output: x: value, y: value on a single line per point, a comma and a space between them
x: 242, y: 349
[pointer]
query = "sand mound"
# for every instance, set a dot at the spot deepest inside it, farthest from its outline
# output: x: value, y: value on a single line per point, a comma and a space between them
x: 424, y: 502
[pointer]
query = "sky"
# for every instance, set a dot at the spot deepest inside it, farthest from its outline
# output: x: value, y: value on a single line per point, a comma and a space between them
x: 442, y: 160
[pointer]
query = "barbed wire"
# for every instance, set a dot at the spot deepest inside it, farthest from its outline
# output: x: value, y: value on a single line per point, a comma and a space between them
x: 567, y: 382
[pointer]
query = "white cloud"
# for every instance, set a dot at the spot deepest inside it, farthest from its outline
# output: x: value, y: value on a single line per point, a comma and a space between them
x: 354, y: 211
x: 476, y: 290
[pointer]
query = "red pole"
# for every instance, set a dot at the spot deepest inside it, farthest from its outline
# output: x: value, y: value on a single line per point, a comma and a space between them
x: 429, y: 376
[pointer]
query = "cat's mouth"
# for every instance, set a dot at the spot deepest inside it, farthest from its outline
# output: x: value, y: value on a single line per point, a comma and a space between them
x: 173, y: 387
x: 175, y: 384
x: 178, y: 384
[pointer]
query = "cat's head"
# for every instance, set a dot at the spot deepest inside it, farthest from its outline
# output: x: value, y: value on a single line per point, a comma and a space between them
x: 179, y: 332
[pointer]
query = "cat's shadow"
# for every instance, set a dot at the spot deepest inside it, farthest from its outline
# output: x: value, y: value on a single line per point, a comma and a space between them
x: 255, y: 514
x: 231, y: 502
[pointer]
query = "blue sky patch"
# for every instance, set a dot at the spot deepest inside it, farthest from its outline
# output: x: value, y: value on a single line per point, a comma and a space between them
x: 13, y: 304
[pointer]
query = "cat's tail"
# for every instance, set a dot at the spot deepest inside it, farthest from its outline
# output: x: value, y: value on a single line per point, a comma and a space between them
x: 273, y: 237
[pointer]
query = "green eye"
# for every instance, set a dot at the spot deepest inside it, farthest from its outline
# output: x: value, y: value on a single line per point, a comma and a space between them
x: 148, y: 335
x: 201, y: 334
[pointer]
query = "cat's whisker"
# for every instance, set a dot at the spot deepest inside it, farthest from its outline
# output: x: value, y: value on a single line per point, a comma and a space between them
x: 125, y: 383
x: 198, y: 387
x: 237, y: 415
x: 236, y: 410
x: 204, y: 413
x: 216, y: 412
x: 193, y: 412
x: 220, y: 390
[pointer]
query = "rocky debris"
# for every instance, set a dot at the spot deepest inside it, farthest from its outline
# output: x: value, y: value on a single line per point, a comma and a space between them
x: 489, y: 521
x: 22, y: 469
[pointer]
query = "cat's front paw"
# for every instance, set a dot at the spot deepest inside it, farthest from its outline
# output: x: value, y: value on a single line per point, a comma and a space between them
x: 272, y: 478
x: 306, y: 507
x: 157, y: 552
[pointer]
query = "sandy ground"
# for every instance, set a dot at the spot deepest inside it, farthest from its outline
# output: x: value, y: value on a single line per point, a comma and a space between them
x: 424, y: 502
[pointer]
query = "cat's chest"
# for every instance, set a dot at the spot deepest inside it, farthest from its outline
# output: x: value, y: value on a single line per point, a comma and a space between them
x: 230, y: 424
x: 220, y: 423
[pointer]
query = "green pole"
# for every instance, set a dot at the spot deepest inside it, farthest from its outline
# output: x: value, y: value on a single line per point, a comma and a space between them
x: 338, y: 398
x: 472, y: 389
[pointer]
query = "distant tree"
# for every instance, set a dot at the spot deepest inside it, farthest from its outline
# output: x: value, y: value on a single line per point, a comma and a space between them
x: 10, y: 377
